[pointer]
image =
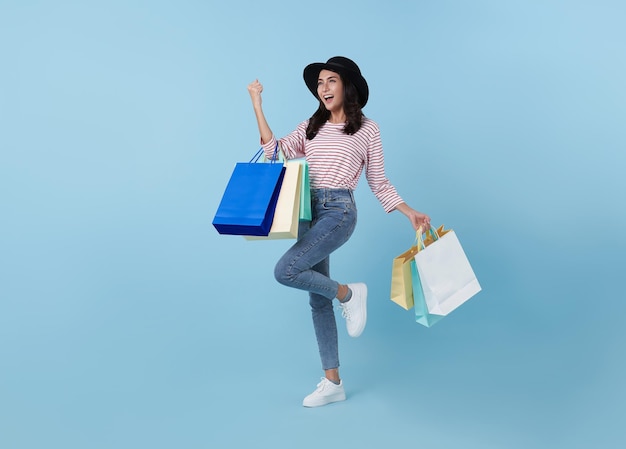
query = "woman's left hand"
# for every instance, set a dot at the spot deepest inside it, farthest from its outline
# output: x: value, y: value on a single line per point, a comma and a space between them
x: 417, y: 219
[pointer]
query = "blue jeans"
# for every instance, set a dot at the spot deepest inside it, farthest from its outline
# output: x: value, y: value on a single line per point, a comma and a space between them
x: 305, y: 265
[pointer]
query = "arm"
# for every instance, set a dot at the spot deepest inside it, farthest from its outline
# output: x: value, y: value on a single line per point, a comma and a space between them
x: 292, y: 145
x: 254, y: 89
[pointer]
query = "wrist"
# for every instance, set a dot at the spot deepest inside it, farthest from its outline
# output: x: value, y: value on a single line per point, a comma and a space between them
x: 403, y: 208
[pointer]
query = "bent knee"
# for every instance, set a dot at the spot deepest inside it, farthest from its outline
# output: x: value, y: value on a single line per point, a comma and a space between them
x: 282, y: 275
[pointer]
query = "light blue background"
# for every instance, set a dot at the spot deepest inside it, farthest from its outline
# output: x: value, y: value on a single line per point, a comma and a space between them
x: 126, y: 321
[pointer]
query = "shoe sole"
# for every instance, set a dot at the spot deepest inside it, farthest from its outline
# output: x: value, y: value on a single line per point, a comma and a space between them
x: 327, y: 401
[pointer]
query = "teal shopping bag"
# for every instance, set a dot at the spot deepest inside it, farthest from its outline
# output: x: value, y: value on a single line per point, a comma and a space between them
x: 422, y: 315
x: 305, y: 193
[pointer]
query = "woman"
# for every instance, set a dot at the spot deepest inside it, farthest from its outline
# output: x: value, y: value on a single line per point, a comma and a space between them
x: 338, y: 142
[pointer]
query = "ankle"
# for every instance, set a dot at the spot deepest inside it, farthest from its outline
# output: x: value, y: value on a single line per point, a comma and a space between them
x: 342, y: 292
x: 333, y: 376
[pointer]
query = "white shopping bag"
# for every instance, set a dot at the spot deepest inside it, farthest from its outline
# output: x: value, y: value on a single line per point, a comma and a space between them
x: 445, y: 274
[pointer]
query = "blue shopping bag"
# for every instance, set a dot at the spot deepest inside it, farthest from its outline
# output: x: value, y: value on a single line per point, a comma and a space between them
x: 249, y: 201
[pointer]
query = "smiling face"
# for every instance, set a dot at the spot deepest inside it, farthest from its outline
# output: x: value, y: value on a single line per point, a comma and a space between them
x: 330, y: 91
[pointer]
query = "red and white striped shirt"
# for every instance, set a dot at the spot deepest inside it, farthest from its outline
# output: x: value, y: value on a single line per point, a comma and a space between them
x: 336, y: 160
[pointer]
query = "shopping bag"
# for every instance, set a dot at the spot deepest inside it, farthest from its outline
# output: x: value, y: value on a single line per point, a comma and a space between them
x: 401, y: 276
x: 305, y: 192
x: 422, y: 315
x: 433, y: 234
x: 445, y: 274
x: 248, y: 204
x: 401, y: 283
x: 287, y: 215
x: 305, y: 189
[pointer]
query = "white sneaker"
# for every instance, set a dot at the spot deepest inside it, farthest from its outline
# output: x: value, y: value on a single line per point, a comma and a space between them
x: 325, y: 393
x: 355, y: 310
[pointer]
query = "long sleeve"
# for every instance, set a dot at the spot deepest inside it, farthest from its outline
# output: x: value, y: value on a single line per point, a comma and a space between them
x: 375, y: 174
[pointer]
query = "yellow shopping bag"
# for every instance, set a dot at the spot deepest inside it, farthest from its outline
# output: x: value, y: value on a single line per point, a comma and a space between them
x: 401, y: 283
x: 401, y: 280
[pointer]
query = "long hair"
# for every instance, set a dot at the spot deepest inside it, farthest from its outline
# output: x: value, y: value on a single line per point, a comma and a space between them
x: 351, y: 106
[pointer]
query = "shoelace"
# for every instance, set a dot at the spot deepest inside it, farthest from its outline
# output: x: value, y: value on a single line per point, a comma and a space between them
x: 345, y: 311
x: 322, y: 384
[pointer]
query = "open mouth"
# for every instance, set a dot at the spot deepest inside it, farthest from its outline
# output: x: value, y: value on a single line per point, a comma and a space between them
x: 328, y: 97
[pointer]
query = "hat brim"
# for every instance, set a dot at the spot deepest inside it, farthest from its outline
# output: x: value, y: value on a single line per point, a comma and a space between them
x: 312, y: 72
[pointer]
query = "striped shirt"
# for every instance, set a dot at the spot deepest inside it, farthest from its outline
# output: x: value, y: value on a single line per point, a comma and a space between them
x: 336, y: 160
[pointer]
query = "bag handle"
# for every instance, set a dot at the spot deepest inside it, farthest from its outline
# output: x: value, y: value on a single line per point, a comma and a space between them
x: 420, y: 239
x: 259, y: 153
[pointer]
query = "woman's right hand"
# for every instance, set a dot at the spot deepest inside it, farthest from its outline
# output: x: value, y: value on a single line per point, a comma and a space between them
x: 254, y: 89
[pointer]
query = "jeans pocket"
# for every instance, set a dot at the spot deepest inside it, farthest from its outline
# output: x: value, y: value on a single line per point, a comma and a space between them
x: 338, y: 205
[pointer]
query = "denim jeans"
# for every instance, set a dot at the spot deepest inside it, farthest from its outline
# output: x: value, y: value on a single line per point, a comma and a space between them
x: 305, y: 265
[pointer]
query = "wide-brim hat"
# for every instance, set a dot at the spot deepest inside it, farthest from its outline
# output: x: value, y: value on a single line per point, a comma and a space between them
x: 345, y: 67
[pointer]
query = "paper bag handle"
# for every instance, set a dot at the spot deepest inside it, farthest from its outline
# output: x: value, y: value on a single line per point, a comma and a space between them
x: 258, y: 154
x: 420, y: 240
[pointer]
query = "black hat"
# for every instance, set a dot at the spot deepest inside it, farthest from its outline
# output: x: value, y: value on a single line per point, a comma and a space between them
x: 345, y: 67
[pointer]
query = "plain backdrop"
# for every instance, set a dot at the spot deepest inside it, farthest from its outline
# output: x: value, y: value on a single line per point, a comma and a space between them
x: 126, y: 321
